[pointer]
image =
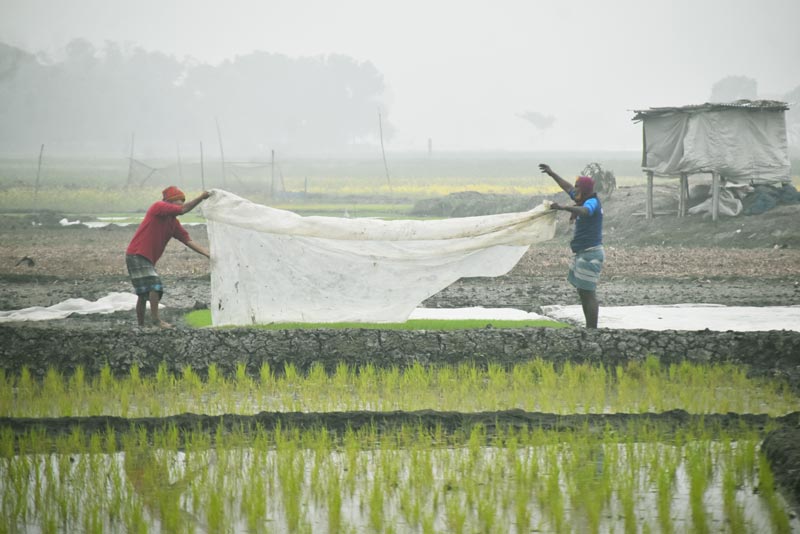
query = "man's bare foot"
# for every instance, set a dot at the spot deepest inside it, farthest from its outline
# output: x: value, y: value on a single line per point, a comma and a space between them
x: 163, y: 324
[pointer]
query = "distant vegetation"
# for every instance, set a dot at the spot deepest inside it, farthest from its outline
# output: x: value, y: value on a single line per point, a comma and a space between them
x: 92, y: 101
x: 319, y: 185
x: 355, y: 187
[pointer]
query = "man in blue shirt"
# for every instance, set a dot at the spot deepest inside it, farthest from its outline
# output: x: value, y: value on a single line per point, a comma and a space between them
x: 587, y: 241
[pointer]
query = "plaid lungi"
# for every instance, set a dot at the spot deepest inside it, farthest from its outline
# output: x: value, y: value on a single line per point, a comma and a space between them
x: 585, y: 268
x: 143, y: 275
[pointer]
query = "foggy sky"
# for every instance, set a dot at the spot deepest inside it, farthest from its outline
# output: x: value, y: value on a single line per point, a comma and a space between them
x: 466, y: 73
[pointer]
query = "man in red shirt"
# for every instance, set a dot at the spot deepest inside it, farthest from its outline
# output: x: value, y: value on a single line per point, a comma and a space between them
x: 160, y: 224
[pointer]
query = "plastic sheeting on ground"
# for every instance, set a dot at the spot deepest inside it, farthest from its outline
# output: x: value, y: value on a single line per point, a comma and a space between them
x: 728, y: 205
x: 670, y: 317
x: 685, y: 317
x: 109, y: 304
x: 272, y: 266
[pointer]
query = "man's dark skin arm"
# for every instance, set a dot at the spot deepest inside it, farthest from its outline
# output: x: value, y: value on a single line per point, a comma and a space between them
x: 189, y: 206
x: 567, y: 187
x: 186, y: 208
x: 578, y: 210
x: 200, y: 249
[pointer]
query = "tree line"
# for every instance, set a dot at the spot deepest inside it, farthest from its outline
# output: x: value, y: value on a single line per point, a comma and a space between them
x: 92, y: 100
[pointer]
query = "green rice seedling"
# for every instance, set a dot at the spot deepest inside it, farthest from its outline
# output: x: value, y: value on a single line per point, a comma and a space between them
x: 213, y: 378
x: 191, y: 381
x: 106, y: 382
x: 535, y: 385
x: 164, y: 379
x: 133, y: 375
x: 455, y: 514
x: 6, y: 393
x: 290, y: 375
x: 376, y: 512
x: 733, y: 510
x: 554, y: 504
x: 698, y: 482
x: 766, y: 485
x: 333, y: 501
x: 290, y: 471
x: 243, y: 381
x: 53, y: 388
x: 25, y: 386
x: 316, y: 377
x: 547, y: 382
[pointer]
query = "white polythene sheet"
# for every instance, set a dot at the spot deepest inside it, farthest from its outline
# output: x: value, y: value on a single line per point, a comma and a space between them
x: 685, y: 317
x: 109, y: 304
x: 274, y: 266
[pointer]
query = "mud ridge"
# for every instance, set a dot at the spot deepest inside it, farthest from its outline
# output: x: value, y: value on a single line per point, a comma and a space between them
x: 430, y: 420
x: 771, y: 353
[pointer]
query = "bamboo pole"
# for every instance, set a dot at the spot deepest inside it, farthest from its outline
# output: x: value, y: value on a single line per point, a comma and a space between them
x: 38, y: 175
x: 180, y: 164
x: 202, y: 168
x: 383, y: 153
x: 683, y: 195
x: 648, y: 210
x: 272, y: 176
x: 222, y: 154
x: 715, y: 179
x: 130, y: 162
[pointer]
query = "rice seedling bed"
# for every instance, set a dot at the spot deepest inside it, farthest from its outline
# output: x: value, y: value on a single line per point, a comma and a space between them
x: 535, y: 386
x: 567, y: 448
x: 202, y: 319
x: 404, y: 479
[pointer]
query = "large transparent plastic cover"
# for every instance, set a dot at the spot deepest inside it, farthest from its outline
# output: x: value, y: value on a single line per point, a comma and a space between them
x: 274, y: 266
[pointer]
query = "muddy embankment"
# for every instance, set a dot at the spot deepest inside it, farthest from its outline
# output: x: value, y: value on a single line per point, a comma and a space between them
x: 771, y: 353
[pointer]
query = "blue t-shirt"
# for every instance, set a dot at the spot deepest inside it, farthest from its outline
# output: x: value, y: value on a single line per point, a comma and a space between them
x: 588, y: 228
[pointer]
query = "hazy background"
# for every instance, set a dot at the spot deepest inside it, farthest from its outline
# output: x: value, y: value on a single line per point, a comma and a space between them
x: 310, y: 77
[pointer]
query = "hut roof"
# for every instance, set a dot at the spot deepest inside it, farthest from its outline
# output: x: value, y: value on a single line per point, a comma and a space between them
x: 754, y: 105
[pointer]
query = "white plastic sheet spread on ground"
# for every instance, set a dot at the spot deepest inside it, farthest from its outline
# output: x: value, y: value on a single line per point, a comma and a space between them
x: 111, y: 303
x: 274, y: 266
x: 685, y: 317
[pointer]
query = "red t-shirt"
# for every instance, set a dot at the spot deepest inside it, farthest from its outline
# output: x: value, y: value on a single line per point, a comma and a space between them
x: 160, y: 224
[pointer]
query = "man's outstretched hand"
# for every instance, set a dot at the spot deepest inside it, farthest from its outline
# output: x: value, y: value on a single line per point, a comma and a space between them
x: 555, y: 206
x: 545, y: 168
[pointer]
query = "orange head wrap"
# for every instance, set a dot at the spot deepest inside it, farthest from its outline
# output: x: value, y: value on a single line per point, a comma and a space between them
x: 173, y: 193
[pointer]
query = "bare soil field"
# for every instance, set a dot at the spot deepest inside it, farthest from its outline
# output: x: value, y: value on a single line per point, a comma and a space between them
x: 745, y: 260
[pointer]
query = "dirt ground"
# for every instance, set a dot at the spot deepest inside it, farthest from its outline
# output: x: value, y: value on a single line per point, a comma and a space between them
x: 745, y: 260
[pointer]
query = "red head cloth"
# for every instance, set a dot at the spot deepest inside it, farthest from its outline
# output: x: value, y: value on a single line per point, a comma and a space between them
x: 173, y: 193
x: 585, y: 185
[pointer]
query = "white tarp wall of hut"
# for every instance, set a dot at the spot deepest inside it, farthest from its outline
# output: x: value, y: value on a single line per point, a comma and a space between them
x: 274, y: 266
x: 741, y: 145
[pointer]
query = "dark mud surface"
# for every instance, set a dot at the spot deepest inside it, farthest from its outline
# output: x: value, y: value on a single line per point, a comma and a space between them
x: 449, y: 422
